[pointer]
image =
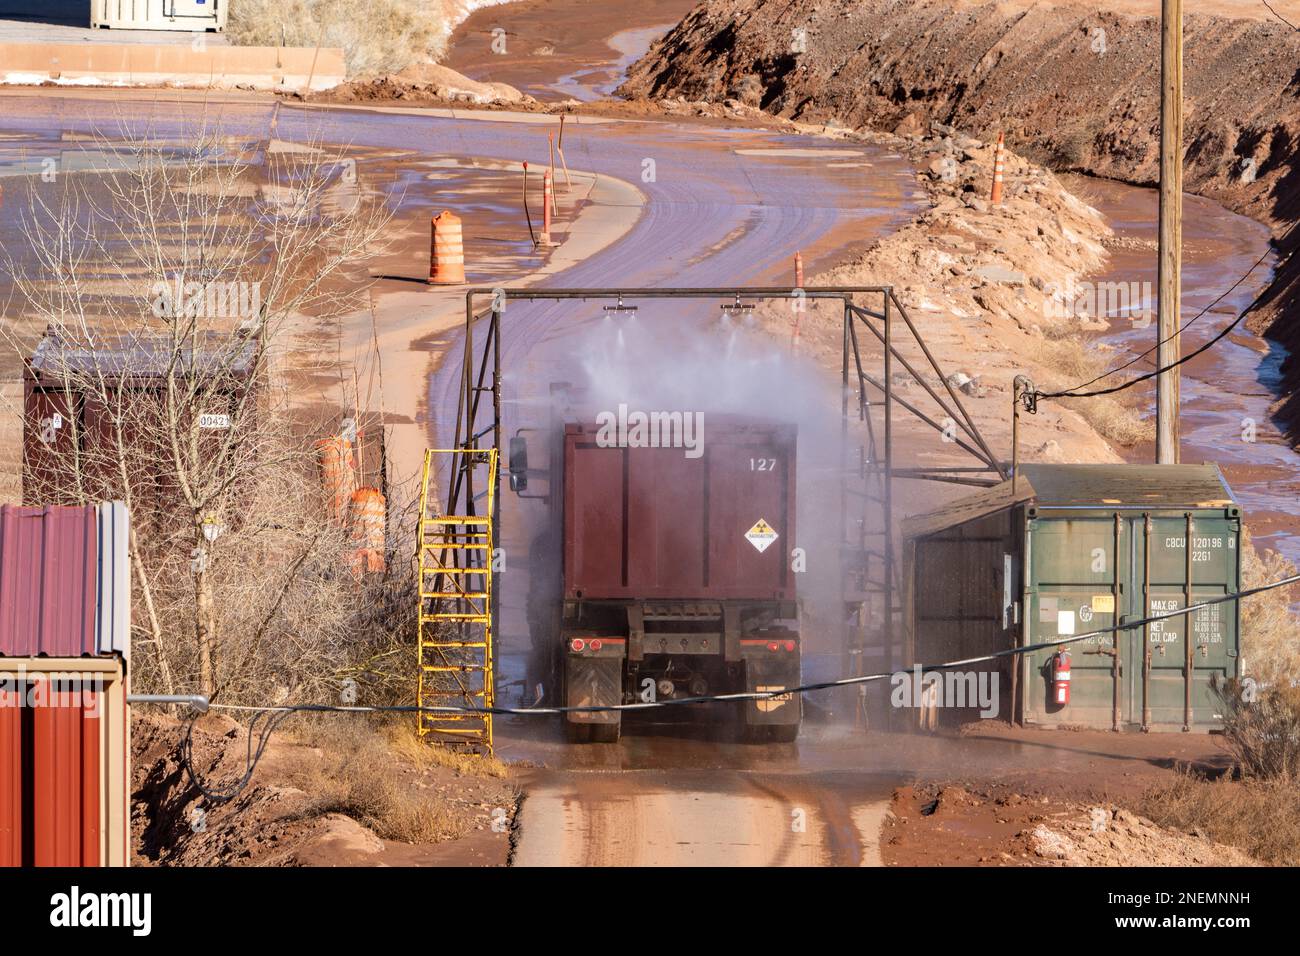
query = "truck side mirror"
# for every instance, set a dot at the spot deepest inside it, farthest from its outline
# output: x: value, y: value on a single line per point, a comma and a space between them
x: 518, y: 464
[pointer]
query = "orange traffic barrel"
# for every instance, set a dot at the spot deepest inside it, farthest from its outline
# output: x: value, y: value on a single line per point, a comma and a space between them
x: 999, y: 162
x: 446, y: 250
x: 368, y: 507
x: 338, y: 474
x: 367, y: 526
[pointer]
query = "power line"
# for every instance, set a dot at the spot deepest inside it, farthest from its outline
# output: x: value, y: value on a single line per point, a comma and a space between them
x: 1074, y: 393
x: 1279, y: 16
x: 1137, y: 358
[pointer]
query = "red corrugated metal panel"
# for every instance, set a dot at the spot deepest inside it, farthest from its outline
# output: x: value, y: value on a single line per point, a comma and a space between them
x: 11, y: 778
x: 48, y: 579
x: 65, y: 770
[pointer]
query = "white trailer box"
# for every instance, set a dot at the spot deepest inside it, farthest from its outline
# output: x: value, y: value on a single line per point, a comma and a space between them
x: 192, y: 15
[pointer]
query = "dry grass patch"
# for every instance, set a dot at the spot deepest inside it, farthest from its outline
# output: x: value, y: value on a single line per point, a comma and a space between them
x: 1270, y: 631
x: 1260, y: 817
x: 377, y: 36
x: 376, y: 774
x: 1075, y: 359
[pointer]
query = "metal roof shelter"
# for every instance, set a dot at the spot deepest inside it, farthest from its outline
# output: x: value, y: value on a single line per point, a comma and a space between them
x: 64, y: 647
x: 74, y: 391
x: 1068, y: 549
x: 1072, y: 486
x: 138, y: 357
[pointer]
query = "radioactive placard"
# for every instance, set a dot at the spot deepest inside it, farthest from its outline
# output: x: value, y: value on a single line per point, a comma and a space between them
x: 761, y: 535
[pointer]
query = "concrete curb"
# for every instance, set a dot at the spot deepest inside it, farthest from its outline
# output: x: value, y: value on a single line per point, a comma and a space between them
x: 195, y: 65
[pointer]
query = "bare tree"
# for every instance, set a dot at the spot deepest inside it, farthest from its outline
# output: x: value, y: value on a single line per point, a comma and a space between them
x: 172, y: 293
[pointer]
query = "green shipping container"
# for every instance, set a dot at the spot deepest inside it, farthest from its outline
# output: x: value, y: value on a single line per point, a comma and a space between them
x: 1072, y: 549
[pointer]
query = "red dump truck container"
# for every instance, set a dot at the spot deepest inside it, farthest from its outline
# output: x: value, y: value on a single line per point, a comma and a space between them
x: 656, y: 523
x: 676, y: 575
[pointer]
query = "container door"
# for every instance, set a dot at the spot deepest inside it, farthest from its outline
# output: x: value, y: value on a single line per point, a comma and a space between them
x: 11, y: 775
x: 665, y: 522
x: 50, y: 774
x: 1214, y: 572
x: 65, y: 776
x: 1073, y: 576
x: 50, y: 439
x: 595, y: 532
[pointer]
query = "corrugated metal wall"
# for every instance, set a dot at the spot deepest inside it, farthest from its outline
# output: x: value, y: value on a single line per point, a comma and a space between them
x: 48, y: 581
x: 65, y: 587
x: 65, y: 779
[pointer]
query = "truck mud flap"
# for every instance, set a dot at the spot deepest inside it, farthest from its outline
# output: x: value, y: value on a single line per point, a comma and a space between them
x: 593, y: 682
x: 784, y: 709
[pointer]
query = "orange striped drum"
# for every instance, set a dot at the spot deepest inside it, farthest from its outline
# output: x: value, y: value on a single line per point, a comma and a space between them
x: 446, y: 250
x: 338, y: 474
x: 367, y: 526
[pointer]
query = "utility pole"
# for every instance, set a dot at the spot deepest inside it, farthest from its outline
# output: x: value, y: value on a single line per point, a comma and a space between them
x: 1169, y: 277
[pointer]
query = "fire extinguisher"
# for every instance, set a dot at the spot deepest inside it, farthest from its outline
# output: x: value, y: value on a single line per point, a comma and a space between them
x: 1061, y: 678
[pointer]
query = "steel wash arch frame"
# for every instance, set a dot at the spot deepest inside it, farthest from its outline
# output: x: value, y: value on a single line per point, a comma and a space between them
x: 870, y: 585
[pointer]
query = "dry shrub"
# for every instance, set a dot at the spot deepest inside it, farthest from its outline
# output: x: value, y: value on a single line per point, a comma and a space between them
x: 1261, y: 728
x: 1114, y: 420
x: 359, y: 775
x: 1270, y: 631
x: 1260, y: 817
x: 377, y: 36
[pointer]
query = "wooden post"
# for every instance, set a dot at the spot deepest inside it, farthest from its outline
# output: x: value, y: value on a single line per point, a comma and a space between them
x: 1171, y: 229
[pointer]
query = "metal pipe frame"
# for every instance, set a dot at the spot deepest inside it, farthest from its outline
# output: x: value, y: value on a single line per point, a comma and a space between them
x: 876, y: 452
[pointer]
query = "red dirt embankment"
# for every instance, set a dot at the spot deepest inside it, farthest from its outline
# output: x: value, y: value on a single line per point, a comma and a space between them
x: 1075, y: 88
x: 341, y: 793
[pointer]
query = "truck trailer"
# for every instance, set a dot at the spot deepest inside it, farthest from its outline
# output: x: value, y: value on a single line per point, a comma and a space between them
x: 674, y: 579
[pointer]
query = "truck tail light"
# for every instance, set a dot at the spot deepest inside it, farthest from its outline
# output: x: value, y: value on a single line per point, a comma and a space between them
x: 789, y: 645
x: 595, y: 643
x: 773, y: 645
x: 577, y: 644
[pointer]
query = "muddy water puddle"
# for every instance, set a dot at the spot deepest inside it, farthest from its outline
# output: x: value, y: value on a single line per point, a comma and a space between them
x: 595, y: 82
x: 1227, y: 390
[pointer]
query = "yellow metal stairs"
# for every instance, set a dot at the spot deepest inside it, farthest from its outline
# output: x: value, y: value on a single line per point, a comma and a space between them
x: 455, y: 614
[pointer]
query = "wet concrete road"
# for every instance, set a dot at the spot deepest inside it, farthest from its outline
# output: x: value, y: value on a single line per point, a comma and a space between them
x: 701, y: 818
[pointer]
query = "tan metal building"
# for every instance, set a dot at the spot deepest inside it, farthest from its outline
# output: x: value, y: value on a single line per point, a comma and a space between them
x: 191, y: 15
